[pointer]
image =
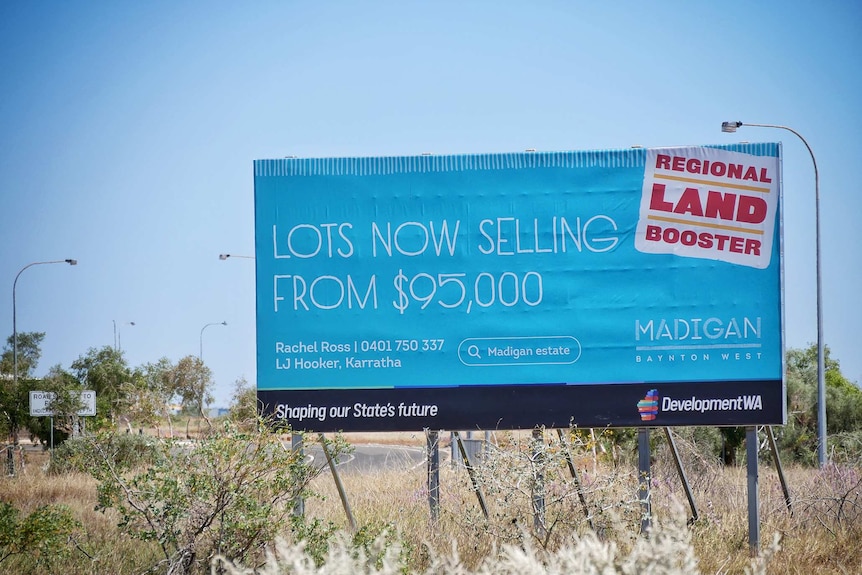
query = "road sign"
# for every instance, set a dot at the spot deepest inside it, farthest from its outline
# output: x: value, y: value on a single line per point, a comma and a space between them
x: 40, y: 403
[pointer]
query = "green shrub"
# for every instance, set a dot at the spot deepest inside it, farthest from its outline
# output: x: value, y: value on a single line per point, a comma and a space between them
x: 39, y: 539
x: 229, y: 494
x: 125, y: 451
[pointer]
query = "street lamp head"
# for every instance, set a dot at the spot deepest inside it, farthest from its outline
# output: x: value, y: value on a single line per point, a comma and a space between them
x: 131, y: 323
x: 730, y: 127
x: 224, y: 323
x: 223, y: 257
x: 72, y: 262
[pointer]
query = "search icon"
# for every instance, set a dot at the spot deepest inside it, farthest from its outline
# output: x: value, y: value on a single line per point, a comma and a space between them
x: 519, y: 350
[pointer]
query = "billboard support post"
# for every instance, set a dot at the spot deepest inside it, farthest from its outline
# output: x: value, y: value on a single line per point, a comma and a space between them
x: 753, y: 499
x: 433, y: 454
x: 644, y: 478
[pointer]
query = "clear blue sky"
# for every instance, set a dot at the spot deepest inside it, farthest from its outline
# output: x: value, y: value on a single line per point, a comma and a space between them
x: 128, y: 132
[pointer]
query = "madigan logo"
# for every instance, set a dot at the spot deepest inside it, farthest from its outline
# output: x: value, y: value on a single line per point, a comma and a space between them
x: 648, y: 406
x: 709, y: 203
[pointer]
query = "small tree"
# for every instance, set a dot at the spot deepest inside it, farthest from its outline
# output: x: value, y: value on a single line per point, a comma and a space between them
x: 14, y: 400
x: 67, y: 398
x: 104, y: 370
x: 243, y: 405
x: 192, y: 381
x: 42, y: 535
x: 29, y: 353
x: 156, y: 389
x: 230, y: 494
x: 799, y: 437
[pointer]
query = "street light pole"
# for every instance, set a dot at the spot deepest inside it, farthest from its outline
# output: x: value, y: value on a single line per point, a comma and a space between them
x: 118, y: 341
x: 201, y: 354
x: 821, y: 358
x: 71, y: 262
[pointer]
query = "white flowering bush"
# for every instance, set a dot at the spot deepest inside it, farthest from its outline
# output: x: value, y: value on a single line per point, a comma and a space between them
x: 666, y: 551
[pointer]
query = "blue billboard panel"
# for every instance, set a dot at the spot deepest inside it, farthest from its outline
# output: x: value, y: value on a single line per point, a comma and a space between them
x: 512, y: 290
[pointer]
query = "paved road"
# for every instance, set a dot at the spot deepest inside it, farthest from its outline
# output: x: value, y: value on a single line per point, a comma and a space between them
x: 369, y: 456
x: 365, y: 456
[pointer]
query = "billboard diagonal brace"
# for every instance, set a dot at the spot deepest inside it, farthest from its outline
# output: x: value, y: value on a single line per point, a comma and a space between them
x: 681, y: 471
x: 779, y: 469
x: 472, y: 473
x: 577, y: 480
x: 338, y: 485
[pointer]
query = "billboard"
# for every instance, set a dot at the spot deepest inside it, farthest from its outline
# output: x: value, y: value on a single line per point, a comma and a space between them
x: 592, y: 288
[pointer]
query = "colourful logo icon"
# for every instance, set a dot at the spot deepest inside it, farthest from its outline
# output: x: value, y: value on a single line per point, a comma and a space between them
x: 648, y: 406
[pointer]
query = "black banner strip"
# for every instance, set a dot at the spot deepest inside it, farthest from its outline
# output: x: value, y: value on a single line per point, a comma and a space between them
x: 734, y: 403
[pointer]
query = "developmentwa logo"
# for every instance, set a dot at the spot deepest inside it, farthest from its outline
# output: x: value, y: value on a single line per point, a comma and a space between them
x: 648, y: 406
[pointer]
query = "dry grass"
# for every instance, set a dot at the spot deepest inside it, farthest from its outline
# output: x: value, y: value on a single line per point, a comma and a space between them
x: 99, y: 546
x: 814, y: 539
x: 822, y: 536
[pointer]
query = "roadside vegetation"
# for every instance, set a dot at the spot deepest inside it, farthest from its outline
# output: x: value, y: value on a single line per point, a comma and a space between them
x: 149, y: 488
